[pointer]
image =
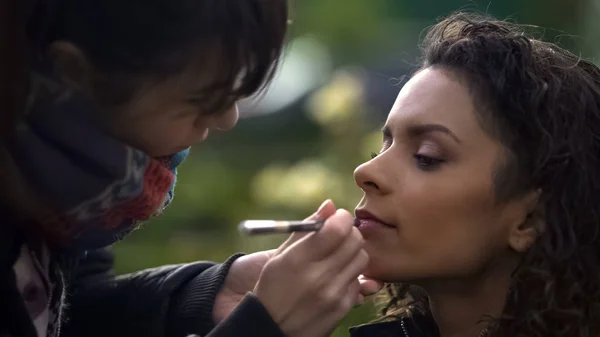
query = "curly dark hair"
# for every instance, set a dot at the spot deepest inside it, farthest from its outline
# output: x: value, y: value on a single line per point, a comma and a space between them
x: 543, y: 103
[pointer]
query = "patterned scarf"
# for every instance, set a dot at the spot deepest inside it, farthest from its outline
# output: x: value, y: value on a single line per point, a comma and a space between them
x: 98, y: 187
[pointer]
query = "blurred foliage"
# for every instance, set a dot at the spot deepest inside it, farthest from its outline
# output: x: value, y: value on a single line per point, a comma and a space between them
x: 283, y: 165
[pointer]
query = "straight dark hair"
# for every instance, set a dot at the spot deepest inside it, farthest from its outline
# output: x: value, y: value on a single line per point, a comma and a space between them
x: 133, y: 42
x: 126, y: 42
x: 129, y: 40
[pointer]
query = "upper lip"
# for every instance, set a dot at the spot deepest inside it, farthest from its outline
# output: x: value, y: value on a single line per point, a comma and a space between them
x: 366, y: 215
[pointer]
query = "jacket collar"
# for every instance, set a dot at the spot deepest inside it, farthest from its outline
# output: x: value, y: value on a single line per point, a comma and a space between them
x: 384, y: 329
x: 417, y: 326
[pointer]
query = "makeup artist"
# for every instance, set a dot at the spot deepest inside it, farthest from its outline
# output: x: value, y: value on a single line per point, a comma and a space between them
x: 101, y: 100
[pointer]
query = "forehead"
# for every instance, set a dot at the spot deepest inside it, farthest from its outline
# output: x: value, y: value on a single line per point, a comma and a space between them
x: 435, y: 96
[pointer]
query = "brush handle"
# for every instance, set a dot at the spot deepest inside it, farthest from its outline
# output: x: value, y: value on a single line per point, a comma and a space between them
x: 264, y: 227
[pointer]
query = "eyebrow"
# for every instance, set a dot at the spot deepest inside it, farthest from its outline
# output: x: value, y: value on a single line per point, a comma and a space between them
x: 421, y: 129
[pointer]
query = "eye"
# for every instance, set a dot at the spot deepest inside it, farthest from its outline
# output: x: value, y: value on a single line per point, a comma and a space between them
x: 185, y: 112
x: 387, y: 142
x: 215, y: 105
x: 427, y: 163
x: 198, y: 101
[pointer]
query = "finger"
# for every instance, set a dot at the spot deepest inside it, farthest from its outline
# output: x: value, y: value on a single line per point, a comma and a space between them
x: 369, y: 286
x: 324, y: 211
x: 334, y: 232
x: 359, y: 298
x: 347, y: 301
x: 354, y: 268
x: 354, y: 293
x: 342, y: 256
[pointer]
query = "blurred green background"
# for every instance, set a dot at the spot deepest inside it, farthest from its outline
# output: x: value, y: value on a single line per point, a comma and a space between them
x: 299, y: 145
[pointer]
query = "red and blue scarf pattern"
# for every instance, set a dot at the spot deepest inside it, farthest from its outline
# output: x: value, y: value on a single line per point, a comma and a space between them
x: 100, y: 187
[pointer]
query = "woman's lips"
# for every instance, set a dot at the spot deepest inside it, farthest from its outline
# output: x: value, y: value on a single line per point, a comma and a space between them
x: 370, y: 223
x: 367, y: 219
x: 371, y: 229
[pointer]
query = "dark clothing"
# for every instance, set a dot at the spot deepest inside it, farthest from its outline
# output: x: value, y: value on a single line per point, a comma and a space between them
x: 417, y: 326
x: 169, y: 301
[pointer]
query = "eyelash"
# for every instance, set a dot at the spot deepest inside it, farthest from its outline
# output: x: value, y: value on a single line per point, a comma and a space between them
x: 199, y: 102
x: 423, y: 162
x: 427, y: 163
x: 210, y: 107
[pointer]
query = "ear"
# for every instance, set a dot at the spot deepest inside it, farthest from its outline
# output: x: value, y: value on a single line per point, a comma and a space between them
x: 71, y: 65
x: 528, y: 224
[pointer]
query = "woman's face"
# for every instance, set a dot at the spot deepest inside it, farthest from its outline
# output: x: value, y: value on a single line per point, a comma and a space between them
x: 160, y: 118
x: 431, y: 189
x: 172, y: 115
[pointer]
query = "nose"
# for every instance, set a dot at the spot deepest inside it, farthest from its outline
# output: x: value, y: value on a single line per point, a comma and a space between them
x: 365, y: 177
x: 228, y: 119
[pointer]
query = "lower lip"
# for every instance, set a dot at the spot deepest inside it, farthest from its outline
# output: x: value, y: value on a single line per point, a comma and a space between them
x: 368, y: 225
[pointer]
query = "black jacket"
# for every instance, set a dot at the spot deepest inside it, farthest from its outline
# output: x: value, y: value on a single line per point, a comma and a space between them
x: 417, y: 326
x: 169, y: 301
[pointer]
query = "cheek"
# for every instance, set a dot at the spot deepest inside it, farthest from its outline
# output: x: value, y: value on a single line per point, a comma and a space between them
x: 444, y: 229
x: 158, y: 136
x: 168, y: 137
x: 157, y: 122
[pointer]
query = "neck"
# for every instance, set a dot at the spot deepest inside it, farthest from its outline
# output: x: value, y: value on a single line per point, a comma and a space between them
x: 461, y: 307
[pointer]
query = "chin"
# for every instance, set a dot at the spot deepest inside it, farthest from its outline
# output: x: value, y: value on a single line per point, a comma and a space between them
x: 380, y: 266
x: 166, y: 153
x: 388, y: 272
x: 380, y: 272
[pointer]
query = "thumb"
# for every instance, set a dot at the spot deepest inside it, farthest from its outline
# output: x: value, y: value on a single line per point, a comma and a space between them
x: 369, y: 286
x: 324, y: 211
